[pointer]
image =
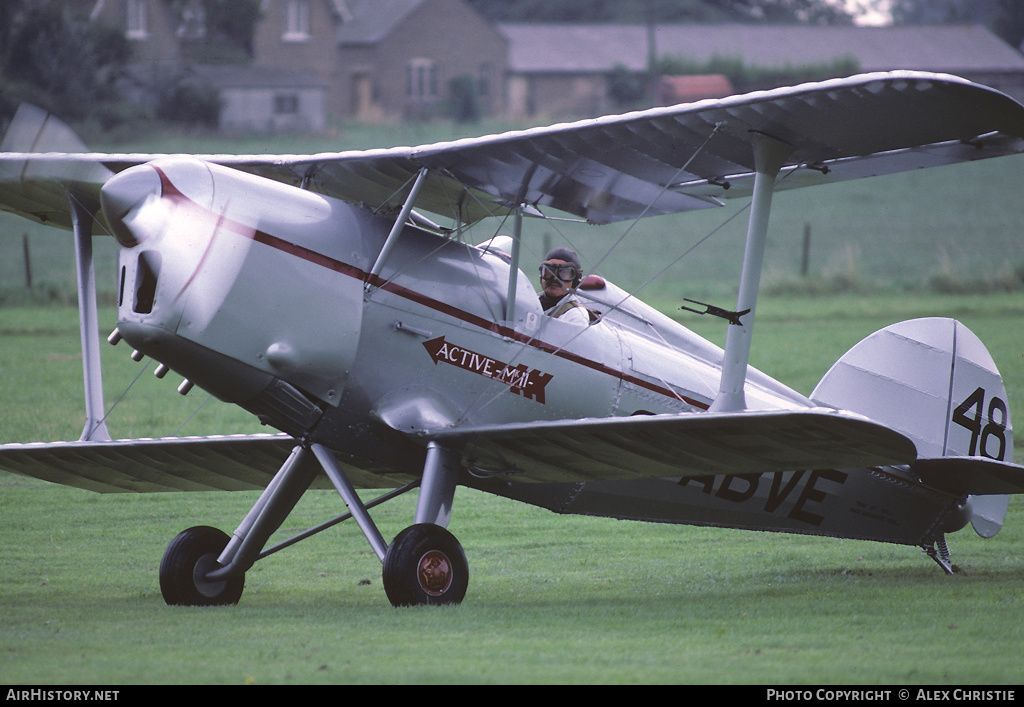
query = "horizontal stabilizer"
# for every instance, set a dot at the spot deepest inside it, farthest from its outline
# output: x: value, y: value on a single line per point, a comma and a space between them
x: 226, y: 463
x: 695, y: 444
x: 970, y: 475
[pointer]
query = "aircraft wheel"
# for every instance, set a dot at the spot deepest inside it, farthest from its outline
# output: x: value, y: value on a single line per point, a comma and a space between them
x: 425, y: 565
x: 185, y: 564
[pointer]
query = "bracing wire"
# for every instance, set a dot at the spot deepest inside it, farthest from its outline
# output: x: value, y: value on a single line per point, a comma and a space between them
x: 492, y: 396
x: 195, y: 412
x: 664, y: 188
x: 124, y: 393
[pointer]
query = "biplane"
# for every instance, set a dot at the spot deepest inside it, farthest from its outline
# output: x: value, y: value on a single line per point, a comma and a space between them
x: 335, y: 297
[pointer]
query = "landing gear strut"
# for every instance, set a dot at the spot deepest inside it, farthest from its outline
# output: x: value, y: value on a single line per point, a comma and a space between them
x: 424, y: 564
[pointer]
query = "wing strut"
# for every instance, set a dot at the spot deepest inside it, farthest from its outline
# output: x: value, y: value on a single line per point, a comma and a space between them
x: 399, y: 224
x: 517, y: 238
x: 513, y: 268
x: 769, y: 156
x: 88, y: 322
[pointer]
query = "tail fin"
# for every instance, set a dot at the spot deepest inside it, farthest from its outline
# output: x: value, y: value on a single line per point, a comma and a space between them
x: 934, y: 381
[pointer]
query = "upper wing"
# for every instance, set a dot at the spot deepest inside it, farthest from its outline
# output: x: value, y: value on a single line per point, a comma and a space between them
x: 658, y: 161
x: 680, y: 158
x: 697, y: 444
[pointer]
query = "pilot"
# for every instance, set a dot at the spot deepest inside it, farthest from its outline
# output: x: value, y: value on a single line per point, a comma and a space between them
x: 560, y: 275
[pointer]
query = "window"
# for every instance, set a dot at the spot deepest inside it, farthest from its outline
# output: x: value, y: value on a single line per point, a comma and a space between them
x: 138, y: 22
x: 421, y: 79
x: 193, y: 23
x: 296, y: 27
x: 286, y: 104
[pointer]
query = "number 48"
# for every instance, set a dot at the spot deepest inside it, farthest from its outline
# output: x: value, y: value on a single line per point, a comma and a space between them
x: 980, y: 434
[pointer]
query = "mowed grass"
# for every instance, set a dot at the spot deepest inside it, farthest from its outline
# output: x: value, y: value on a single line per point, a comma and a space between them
x: 552, y: 599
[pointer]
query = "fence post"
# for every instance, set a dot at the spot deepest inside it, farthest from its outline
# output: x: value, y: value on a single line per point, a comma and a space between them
x: 28, y: 261
x: 805, y: 258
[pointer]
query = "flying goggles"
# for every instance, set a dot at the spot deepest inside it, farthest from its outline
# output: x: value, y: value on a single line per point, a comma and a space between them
x: 565, y: 273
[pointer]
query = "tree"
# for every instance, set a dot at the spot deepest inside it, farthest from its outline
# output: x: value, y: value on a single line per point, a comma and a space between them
x: 1009, y: 23
x: 235, y: 20
x: 818, y: 12
x: 219, y: 31
x: 58, y: 61
x: 1004, y: 17
x: 465, y: 99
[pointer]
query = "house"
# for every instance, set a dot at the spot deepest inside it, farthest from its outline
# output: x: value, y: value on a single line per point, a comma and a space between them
x: 387, y: 58
x: 316, y: 60
x: 561, y: 69
x: 158, y: 31
x: 313, y: 61
x: 169, y: 42
x: 261, y: 100
x: 687, y: 89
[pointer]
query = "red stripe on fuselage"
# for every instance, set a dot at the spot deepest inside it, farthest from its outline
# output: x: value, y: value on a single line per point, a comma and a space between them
x: 169, y: 190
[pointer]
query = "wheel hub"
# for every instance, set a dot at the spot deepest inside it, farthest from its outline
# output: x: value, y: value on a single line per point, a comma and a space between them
x: 206, y: 564
x: 434, y: 572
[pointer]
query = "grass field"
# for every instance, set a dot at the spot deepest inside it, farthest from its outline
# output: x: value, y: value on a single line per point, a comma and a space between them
x: 552, y: 599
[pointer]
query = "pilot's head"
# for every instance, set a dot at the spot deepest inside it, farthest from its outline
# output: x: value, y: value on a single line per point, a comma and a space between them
x: 560, y: 272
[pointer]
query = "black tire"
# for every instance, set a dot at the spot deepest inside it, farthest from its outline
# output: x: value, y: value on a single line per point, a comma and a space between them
x: 186, y: 561
x: 425, y: 565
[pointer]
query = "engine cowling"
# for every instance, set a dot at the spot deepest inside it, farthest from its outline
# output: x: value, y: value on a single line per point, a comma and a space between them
x: 249, y: 288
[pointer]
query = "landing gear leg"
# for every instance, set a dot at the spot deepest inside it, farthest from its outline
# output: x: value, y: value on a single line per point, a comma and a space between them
x: 202, y: 566
x: 425, y: 564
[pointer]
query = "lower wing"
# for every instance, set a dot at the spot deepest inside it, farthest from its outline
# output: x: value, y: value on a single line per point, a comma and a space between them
x: 646, y: 446
x: 697, y: 444
x: 226, y: 463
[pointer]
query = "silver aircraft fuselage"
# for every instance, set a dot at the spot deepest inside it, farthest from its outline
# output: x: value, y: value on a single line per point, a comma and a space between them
x: 263, y: 294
